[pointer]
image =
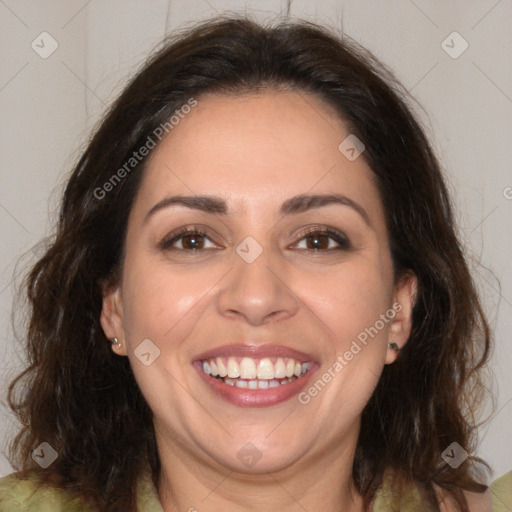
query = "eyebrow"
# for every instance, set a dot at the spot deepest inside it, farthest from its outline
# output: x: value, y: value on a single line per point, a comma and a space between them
x: 294, y: 205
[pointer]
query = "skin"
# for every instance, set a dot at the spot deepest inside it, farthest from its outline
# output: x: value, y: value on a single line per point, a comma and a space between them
x: 256, y: 151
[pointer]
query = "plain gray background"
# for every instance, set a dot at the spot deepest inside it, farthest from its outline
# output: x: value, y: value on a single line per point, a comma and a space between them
x: 50, y: 103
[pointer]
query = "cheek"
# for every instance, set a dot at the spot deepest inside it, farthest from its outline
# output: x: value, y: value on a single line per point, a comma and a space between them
x: 161, y: 305
x: 164, y: 301
x: 348, y: 299
x: 156, y: 299
x: 349, y: 305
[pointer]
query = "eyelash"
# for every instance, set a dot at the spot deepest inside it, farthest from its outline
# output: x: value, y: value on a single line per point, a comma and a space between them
x: 339, y: 237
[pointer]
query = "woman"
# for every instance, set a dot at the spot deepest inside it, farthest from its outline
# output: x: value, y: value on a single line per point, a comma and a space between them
x: 255, y: 299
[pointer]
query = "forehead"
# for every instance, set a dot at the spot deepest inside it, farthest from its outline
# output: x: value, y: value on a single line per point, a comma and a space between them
x: 255, y: 150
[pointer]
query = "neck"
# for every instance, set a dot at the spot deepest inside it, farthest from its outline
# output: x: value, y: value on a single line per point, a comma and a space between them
x: 186, y: 483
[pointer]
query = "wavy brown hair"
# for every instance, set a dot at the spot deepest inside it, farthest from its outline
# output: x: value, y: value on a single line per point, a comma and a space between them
x: 84, y: 401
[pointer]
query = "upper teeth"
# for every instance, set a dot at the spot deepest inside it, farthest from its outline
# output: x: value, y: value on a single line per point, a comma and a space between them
x: 249, y: 368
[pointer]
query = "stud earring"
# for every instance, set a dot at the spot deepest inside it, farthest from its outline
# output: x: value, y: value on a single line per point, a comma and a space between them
x: 116, y: 342
x: 394, y: 346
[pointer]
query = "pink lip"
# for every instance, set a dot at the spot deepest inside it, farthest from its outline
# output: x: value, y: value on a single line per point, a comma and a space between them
x: 244, y: 397
x: 255, y: 351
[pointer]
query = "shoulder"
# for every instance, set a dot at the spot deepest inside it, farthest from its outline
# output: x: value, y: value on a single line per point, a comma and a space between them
x: 477, y: 501
x: 24, y: 493
x: 411, y: 499
x: 501, y: 493
x: 391, y: 499
x: 498, y: 498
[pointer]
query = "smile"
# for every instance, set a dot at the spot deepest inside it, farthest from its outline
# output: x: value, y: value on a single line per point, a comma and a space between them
x: 250, y: 376
x: 252, y: 373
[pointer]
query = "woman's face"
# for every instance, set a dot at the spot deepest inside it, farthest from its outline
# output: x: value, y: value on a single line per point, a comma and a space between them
x: 280, y: 279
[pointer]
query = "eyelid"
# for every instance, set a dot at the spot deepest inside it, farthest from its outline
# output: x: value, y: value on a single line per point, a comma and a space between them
x: 333, y: 233
x: 166, y: 242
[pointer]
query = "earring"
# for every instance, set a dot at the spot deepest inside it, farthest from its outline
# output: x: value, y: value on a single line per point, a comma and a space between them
x: 115, y: 341
x: 394, y: 346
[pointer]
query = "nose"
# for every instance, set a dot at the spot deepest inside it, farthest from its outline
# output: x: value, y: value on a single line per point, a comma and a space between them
x: 258, y: 292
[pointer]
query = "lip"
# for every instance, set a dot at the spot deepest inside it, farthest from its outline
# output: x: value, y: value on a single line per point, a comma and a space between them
x: 244, y: 397
x: 255, y: 351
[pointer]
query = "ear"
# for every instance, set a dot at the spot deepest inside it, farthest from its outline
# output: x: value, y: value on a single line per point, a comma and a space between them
x: 111, y: 319
x: 404, y: 297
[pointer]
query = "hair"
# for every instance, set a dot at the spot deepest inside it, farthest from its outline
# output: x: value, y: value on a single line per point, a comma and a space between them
x: 84, y: 401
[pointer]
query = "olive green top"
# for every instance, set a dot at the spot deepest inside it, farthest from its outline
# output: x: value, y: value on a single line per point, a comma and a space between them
x: 21, y: 495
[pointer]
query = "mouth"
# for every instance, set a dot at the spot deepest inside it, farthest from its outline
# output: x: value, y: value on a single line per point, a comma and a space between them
x: 247, y: 379
x: 255, y: 373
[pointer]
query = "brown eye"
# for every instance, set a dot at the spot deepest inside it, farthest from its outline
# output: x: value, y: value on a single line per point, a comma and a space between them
x: 323, y: 240
x: 188, y: 240
x: 192, y: 241
x: 317, y: 241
